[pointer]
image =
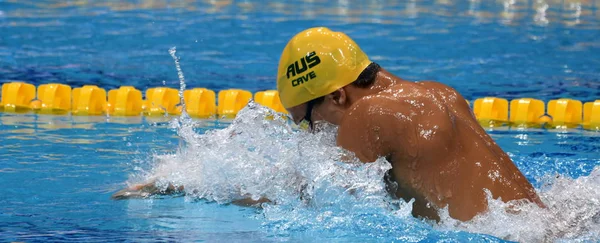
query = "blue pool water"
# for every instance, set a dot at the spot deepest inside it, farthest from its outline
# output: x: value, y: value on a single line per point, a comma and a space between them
x: 58, y: 172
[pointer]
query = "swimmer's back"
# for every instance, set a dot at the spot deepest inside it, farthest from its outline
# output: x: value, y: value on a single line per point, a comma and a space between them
x: 440, y: 154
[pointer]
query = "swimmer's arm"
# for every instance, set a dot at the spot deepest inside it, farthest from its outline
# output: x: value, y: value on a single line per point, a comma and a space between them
x: 146, y: 190
x: 149, y: 189
x: 249, y: 202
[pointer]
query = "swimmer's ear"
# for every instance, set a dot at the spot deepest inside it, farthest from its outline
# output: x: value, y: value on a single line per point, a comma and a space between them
x: 339, y: 97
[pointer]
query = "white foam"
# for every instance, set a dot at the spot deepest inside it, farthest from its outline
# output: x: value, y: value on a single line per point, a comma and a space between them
x: 316, y: 186
x: 572, y: 214
x: 257, y: 156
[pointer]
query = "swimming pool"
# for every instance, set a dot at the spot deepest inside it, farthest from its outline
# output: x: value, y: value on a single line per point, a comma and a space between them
x: 58, y: 172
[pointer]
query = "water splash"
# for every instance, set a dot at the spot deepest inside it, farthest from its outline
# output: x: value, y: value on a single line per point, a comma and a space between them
x: 319, y: 190
x: 172, y: 52
x: 183, y: 124
x: 572, y: 213
x: 264, y: 150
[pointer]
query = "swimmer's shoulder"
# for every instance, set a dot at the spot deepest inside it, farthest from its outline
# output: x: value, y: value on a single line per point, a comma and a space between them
x: 452, y: 99
x: 405, y: 98
x: 383, y: 110
x: 446, y: 91
x: 377, y: 126
x: 369, y: 127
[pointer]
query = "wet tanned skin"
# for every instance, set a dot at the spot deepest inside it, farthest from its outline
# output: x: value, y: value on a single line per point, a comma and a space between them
x: 440, y: 155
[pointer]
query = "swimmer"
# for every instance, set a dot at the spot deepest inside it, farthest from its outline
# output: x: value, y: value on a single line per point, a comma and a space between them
x: 440, y: 155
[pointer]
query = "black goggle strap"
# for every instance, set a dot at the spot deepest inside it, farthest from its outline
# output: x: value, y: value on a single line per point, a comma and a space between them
x: 308, y: 115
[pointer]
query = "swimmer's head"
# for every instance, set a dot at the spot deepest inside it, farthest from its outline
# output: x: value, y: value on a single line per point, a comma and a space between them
x: 315, y: 68
x: 316, y: 62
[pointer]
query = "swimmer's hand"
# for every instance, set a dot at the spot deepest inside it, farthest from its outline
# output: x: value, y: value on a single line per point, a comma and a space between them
x: 145, y: 190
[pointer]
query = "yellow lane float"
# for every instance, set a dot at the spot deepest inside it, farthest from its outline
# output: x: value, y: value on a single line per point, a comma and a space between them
x: 200, y: 103
x: 89, y: 100
x: 17, y: 97
x: 231, y: 101
x: 54, y: 98
x: 591, y: 115
x: 491, y: 111
x: 125, y: 101
x: 270, y: 98
x: 161, y: 101
x: 527, y: 112
x: 565, y: 113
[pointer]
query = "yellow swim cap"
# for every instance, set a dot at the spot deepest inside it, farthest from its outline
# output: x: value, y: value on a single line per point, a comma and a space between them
x: 316, y: 62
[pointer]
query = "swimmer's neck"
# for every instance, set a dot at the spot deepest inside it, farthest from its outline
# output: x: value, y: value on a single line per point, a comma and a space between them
x: 383, y: 81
